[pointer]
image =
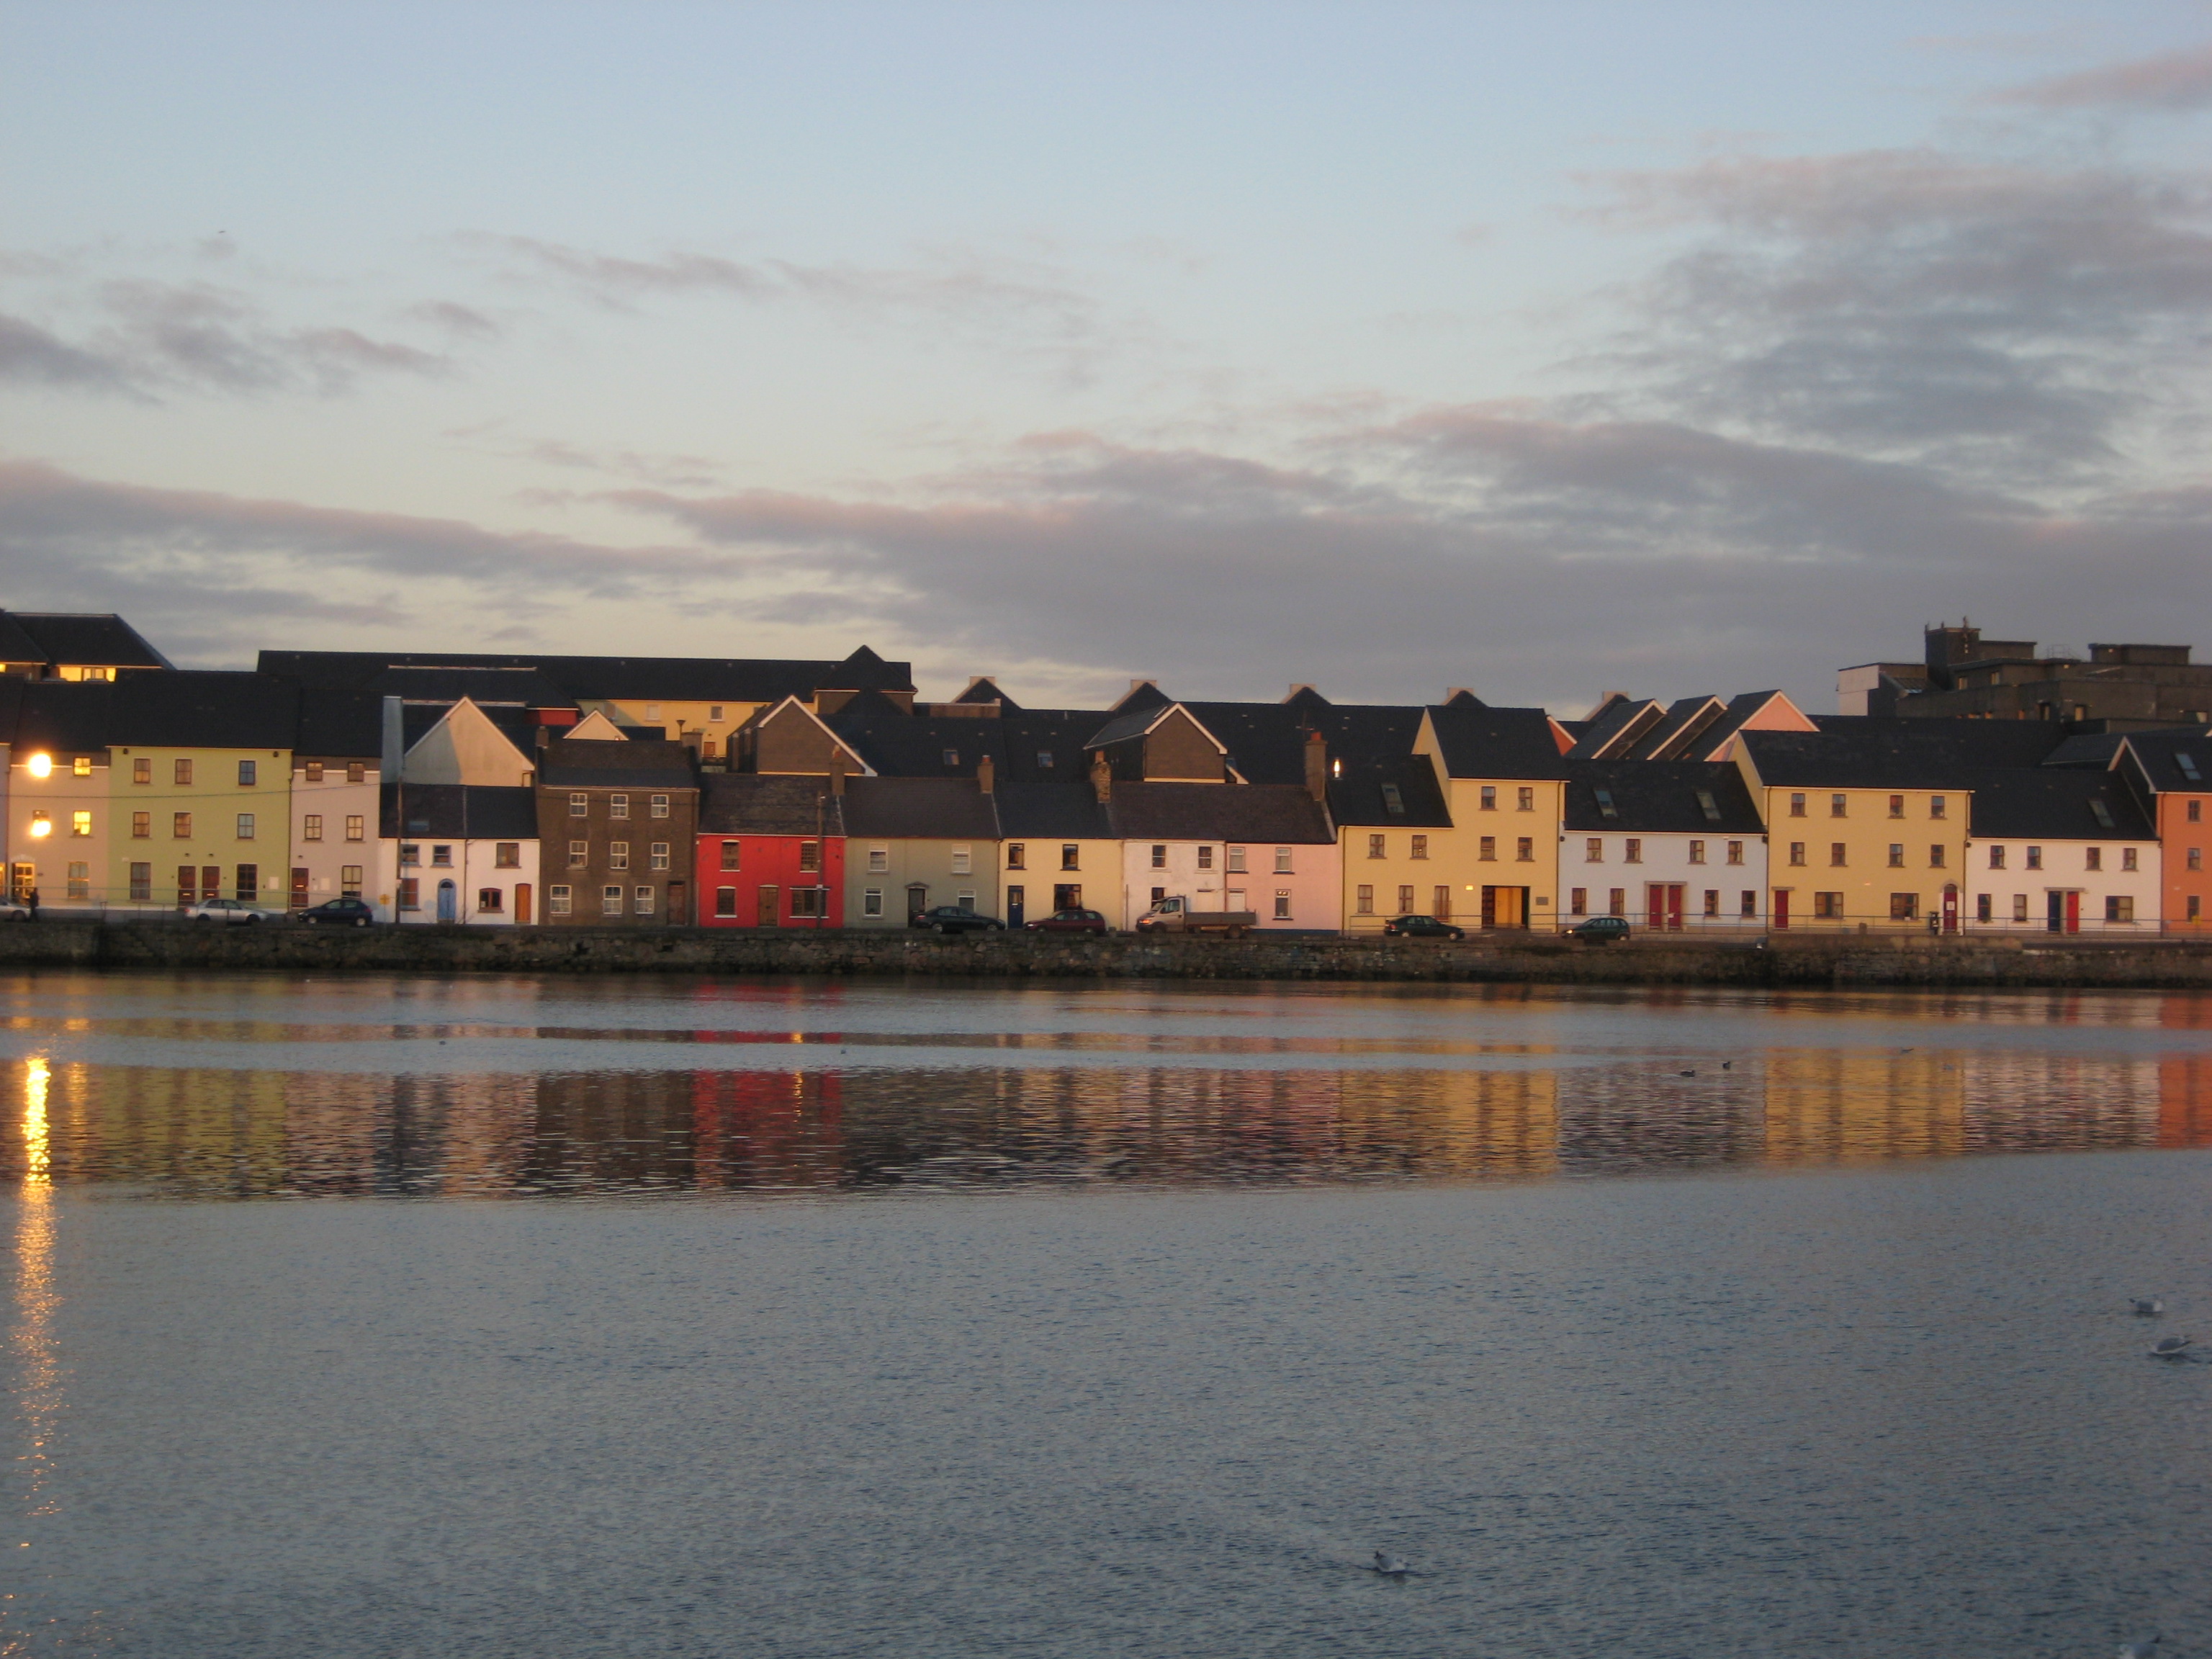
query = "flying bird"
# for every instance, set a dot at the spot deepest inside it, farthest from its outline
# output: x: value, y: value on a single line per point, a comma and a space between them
x: 2170, y: 1347
x: 2147, y: 1307
x: 1389, y: 1565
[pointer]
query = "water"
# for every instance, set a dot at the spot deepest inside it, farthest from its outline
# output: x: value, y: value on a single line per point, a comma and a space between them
x: 832, y: 1319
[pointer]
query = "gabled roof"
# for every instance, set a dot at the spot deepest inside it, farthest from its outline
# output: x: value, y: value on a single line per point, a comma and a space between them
x: 92, y: 641
x: 984, y: 689
x: 750, y: 804
x: 16, y: 645
x: 463, y: 811
x: 1879, y: 752
x: 1052, y: 812
x: 1266, y: 742
x: 598, y: 727
x: 1754, y: 711
x: 1656, y: 798
x: 1307, y: 701
x: 1142, y: 693
x: 1255, y: 813
x: 1403, y: 790
x: 920, y: 809
x: 638, y: 764
x: 1495, y: 743
x: 2165, y: 759
x: 2095, y: 750
x: 1680, y: 729
x: 418, y: 720
x: 2054, y: 803
x: 1619, y: 722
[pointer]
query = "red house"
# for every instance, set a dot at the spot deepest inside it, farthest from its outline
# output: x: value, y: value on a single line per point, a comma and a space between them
x: 771, y: 851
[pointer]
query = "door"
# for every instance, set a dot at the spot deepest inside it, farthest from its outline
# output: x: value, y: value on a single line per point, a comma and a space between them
x: 765, y: 911
x: 449, y: 900
x: 2073, y: 913
x: 917, y: 900
x: 1017, y: 901
x: 300, y: 893
x: 522, y: 904
x: 211, y: 882
x: 679, y: 901
x: 1440, y: 904
x: 1781, y: 912
x: 1951, y: 908
x: 1664, y: 903
x: 1505, y: 907
x: 24, y: 877
x: 2054, y: 913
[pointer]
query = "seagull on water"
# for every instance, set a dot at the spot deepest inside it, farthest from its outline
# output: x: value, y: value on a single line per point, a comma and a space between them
x: 2147, y: 1307
x: 1691, y: 1073
x: 1389, y: 1565
x: 1726, y: 1064
x: 2169, y: 1347
x: 2141, y: 1647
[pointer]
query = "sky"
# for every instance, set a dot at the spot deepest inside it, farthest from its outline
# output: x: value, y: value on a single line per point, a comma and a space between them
x: 1542, y: 349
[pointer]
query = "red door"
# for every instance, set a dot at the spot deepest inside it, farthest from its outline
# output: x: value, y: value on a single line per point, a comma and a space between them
x: 1655, y: 910
x: 1663, y: 906
x: 1951, y: 908
x: 1781, y: 908
x: 2073, y: 913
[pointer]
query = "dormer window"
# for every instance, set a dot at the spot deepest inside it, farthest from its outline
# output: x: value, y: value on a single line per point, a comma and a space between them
x: 1709, y: 806
x: 1605, y: 807
x: 1393, y: 802
x: 2187, y: 762
x: 2102, y: 813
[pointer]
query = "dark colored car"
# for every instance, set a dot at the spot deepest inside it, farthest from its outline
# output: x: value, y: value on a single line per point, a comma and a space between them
x: 347, y: 912
x: 1422, y: 928
x: 952, y: 919
x: 1070, y: 922
x: 1600, y: 930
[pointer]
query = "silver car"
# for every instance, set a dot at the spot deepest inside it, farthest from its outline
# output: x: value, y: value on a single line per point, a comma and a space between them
x: 224, y: 910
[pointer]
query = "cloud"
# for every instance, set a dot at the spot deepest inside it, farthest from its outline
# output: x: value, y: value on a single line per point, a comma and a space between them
x: 30, y: 353
x: 2175, y: 81
x: 456, y: 319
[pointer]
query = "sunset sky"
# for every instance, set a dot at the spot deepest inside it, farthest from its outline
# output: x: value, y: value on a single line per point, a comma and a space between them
x: 1541, y: 349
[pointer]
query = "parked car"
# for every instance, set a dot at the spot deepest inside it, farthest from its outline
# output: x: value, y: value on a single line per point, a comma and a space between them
x: 224, y: 910
x: 1600, y: 930
x: 13, y: 910
x: 1070, y: 922
x: 952, y: 919
x: 1422, y: 928
x: 347, y: 912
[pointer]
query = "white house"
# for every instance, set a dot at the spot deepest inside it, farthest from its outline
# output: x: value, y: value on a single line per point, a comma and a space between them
x: 335, y: 774
x: 457, y: 826
x: 1672, y: 846
x: 2059, y: 851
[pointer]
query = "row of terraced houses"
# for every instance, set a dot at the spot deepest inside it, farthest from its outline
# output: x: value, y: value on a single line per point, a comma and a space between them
x: 475, y: 790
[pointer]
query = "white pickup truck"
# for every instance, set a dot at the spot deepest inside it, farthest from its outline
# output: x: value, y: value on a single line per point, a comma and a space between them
x: 1175, y: 916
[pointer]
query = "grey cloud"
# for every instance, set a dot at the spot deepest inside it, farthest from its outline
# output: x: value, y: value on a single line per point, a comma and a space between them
x: 2180, y: 80
x: 29, y: 353
x: 196, y: 335
x: 456, y: 319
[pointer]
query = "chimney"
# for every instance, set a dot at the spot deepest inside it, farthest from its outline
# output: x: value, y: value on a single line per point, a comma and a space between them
x: 984, y: 772
x: 836, y: 772
x: 1102, y: 777
x: 1316, y: 767
x: 395, y: 739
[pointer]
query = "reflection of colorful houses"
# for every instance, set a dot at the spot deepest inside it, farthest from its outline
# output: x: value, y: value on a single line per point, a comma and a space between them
x: 771, y: 851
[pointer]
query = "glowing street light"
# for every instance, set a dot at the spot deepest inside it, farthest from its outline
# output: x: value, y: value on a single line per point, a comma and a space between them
x: 40, y: 765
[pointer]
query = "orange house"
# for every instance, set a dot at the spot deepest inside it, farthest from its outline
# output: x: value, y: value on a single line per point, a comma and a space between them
x: 2172, y: 770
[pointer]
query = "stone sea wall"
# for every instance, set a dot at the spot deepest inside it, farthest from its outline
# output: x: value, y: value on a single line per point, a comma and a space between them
x: 1800, y: 959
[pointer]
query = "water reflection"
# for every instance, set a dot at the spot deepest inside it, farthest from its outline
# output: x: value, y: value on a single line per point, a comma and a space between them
x: 38, y: 1372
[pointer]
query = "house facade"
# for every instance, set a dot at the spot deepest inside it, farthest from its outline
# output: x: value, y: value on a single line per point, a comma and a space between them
x: 1505, y: 781
x: 464, y: 855
x: 617, y: 827
x: 912, y: 844
x: 771, y: 851
x: 1393, y: 833
x: 1672, y: 846
x: 335, y: 806
x: 1058, y: 851
x: 2061, y: 851
x: 2169, y: 775
x: 1269, y: 848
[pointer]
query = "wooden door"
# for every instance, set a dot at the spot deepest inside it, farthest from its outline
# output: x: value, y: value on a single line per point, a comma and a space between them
x: 522, y: 914
x: 1675, y: 906
x: 1505, y: 907
x: 2054, y: 914
x: 2073, y: 913
x: 679, y: 905
x: 1781, y: 909
x: 1016, y: 904
x: 765, y: 911
x: 1951, y: 908
x: 1654, y: 912
x: 211, y: 882
x: 1489, y: 907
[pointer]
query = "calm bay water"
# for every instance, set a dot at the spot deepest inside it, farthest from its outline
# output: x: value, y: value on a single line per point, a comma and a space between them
x: 399, y: 1317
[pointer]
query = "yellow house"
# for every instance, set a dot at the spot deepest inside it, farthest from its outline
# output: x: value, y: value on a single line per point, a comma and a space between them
x: 1504, y: 784
x: 1396, y: 834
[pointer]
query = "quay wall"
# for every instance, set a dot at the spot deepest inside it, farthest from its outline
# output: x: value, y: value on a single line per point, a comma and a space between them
x: 1778, y: 960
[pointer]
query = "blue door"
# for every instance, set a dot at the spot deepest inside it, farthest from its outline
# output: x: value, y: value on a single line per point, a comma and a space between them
x: 448, y: 900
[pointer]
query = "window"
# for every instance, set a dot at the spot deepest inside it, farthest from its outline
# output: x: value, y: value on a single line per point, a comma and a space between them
x: 1828, y: 906
x: 1420, y: 849
x: 641, y: 900
x: 1282, y: 904
x: 809, y: 903
x: 1904, y: 907
x: 618, y: 856
x: 1736, y: 852
x: 872, y: 902
x: 1617, y: 901
x: 713, y: 711
x: 1490, y: 798
x: 2020, y: 907
x: 2187, y: 762
x: 141, y: 883
x: 1160, y: 858
x: 618, y: 806
x: 1796, y: 806
x: 1836, y: 854
x: 1282, y: 860
x: 657, y: 805
x: 142, y: 771
x: 2196, y: 812
x: 1984, y: 907
x: 1577, y: 901
x: 2093, y: 857
x: 1377, y: 847
x: 726, y: 900
x: 180, y: 825
x: 1070, y: 857
x: 1835, y: 807
x: 1206, y: 858
x: 79, y: 877
x: 1606, y: 809
x: 809, y: 857
x: 558, y: 899
x: 952, y: 757
x: 181, y: 772
x: 2035, y: 858
x: 1394, y: 799
x: 350, y: 880
x: 1797, y: 852
x: 1697, y: 851
x: 580, y: 804
x: 410, y: 853
x: 1363, y: 903
x: 506, y: 855
x: 1934, y: 807
x: 356, y: 771
x: 442, y: 856
x: 1527, y: 802
x: 2196, y: 858
x: 1996, y: 858
x: 966, y: 900
x: 652, y: 711
x: 1405, y: 901
x: 81, y: 766
x: 246, y: 826
x: 410, y: 893
x: 1594, y: 849
x: 79, y: 824
x: 580, y: 854
x: 963, y: 859
x: 310, y: 827
x: 1235, y: 862
x: 2120, y: 908
x: 2195, y: 908
x: 1631, y: 850
x: 1524, y: 850
x: 610, y: 901
x: 1935, y: 857
x: 1044, y: 759
x: 357, y: 826
x: 879, y: 857
x: 656, y: 855
x: 1748, y: 908
x: 246, y: 773
x: 1897, y: 806
x: 1709, y: 806
x: 1486, y: 849
x: 730, y: 855
x: 1713, y: 902
x: 1017, y: 855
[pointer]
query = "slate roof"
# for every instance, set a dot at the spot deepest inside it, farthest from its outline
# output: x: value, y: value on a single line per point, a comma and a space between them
x: 1497, y: 743
x: 1255, y: 812
x: 1358, y: 798
x: 1659, y: 798
x: 984, y: 689
x: 926, y: 809
x: 1267, y: 741
x: 1607, y: 726
x: 2158, y: 757
x: 463, y: 811
x: 898, y: 744
x: 1052, y: 812
x: 580, y: 764
x: 2053, y: 804
x: 1034, y: 732
x: 203, y: 709
x: 747, y: 804
x: 1683, y: 720
x: 61, y: 717
x: 674, y: 679
x: 2092, y: 750
x: 341, y: 725
x: 1143, y: 695
x: 1739, y: 709
x: 95, y: 639
x: 1880, y: 752
x: 16, y: 645
x: 527, y: 687
x: 1135, y: 723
